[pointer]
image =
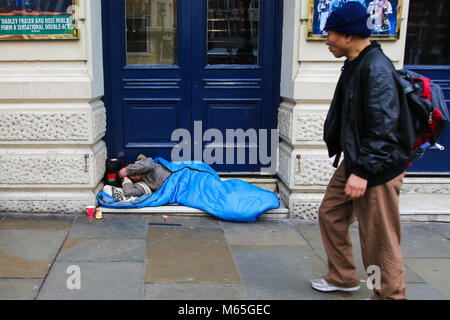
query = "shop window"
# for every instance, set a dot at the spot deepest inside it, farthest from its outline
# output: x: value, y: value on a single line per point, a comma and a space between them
x: 427, y: 39
x: 151, y: 31
x: 233, y: 29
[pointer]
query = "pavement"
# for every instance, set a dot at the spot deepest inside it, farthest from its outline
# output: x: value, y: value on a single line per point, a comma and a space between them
x: 143, y: 257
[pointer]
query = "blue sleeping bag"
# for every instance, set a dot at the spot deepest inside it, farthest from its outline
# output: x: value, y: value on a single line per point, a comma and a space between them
x: 196, y: 184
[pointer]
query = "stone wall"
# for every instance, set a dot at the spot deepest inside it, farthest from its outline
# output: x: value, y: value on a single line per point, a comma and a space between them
x: 52, y: 121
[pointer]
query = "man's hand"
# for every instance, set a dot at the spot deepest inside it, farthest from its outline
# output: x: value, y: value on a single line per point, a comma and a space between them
x: 355, y: 187
x: 123, y: 172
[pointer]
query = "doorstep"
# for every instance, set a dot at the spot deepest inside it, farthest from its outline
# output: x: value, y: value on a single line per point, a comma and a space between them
x: 267, y: 183
x: 425, y: 207
x: 180, y: 210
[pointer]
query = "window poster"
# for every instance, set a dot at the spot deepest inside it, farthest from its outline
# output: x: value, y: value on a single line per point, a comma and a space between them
x: 38, y: 19
x: 384, y: 17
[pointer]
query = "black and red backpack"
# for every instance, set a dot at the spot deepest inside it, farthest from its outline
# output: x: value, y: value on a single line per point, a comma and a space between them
x: 428, y: 113
x: 111, y: 176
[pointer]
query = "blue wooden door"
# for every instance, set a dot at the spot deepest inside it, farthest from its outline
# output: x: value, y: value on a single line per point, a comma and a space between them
x: 147, y: 75
x: 192, y: 65
x: 428, y: 53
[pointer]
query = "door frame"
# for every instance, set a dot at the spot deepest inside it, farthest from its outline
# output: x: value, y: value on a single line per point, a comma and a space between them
x: 106, y: 46
x: 277, y: 51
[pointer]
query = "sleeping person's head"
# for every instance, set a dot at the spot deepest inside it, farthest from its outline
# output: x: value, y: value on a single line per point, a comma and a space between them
x: 134, y: 177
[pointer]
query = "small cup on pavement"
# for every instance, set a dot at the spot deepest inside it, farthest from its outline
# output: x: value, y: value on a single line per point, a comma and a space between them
x: 90, y: 211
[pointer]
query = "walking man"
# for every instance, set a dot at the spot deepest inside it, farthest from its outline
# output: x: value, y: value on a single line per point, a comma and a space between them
x: 363, y: 124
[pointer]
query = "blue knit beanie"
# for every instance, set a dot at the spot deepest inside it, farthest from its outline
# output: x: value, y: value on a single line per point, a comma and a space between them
x: 350, y: 19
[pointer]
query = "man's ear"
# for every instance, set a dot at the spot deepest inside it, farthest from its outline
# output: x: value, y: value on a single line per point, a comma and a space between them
x: 348, y: 38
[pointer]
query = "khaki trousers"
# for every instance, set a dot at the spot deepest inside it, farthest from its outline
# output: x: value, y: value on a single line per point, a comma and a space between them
x: 379, y: 231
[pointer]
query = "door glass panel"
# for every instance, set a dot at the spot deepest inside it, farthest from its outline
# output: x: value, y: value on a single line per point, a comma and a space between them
x: 428, y: 33
x: 151, y: 31
x: 233, y: 29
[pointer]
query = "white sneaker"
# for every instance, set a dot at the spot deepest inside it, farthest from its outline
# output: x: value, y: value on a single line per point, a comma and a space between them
x: 323, y: 286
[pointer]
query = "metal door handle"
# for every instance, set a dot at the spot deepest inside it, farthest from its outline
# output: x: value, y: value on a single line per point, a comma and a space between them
x: 86, y: 156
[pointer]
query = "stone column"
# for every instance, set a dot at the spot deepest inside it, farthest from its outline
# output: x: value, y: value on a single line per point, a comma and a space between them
x: 308, y: 78
x: 52, y: 156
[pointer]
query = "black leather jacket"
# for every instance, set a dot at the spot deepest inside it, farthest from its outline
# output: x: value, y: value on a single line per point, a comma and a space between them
x: 367, y: 124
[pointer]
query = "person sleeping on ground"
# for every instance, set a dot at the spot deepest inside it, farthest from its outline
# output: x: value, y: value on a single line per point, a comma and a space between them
x: 141, y: 177
x: 193, y: 184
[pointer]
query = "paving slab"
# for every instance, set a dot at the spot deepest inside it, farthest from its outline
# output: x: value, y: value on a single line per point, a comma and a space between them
x: 19, y: 289
x: 420, y: 240
x: 111, y: 226
x: 189, y: 254
x: 28, y: 244
x: 37, y: 223
x: 278, y: 272
x: 442, y: 228
x: 28, y: 253
x: 157, y: 220
x: 195, y: 291
x: 98, y: 281
x: 267, y: 232
x: 434, y: 272
x: 84, y: 249
x: 422, y: 291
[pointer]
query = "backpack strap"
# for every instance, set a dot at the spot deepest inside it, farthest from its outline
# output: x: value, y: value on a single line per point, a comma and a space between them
x: 336, y: 160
